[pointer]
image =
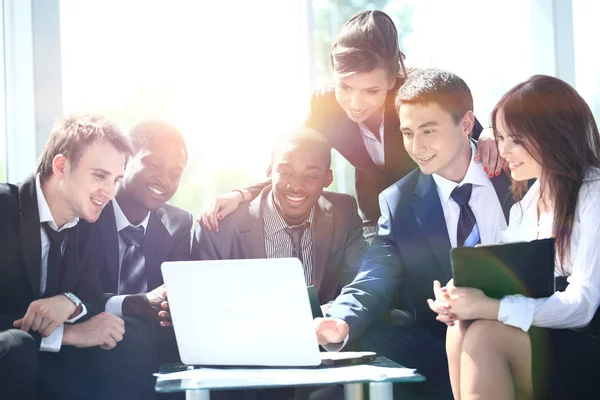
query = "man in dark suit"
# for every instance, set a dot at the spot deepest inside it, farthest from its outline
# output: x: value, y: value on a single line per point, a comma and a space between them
x: 329, y: 242
x: 449, y: 201
x: 48, y: 300
x: 138, y: 231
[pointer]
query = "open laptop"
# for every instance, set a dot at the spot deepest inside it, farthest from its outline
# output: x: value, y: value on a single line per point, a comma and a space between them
x: 241, y: 312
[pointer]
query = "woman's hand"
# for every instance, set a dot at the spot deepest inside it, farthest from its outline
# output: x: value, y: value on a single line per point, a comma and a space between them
x: 220, y: 207
x: 487, y: 153
x: 441, y: 305
x: 469, y: 304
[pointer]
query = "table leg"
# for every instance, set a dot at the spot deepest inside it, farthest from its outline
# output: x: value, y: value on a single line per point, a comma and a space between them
x: 353, y: 391
x: 381, y: 391
x: 197, y: 395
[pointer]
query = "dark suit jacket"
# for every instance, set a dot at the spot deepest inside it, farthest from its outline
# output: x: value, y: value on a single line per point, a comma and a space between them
x: 20, y: 256
x: 327, y: 117
x: 410, y: 251
x: 167, y: 238
x: 338, y: 243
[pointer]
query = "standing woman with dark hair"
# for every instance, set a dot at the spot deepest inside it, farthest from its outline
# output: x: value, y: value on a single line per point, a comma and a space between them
x: 359, y: 119
x: 520, y: 346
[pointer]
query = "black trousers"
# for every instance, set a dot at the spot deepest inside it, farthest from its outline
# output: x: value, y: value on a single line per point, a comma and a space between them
x: 18, y: 364
x: 124, y: 372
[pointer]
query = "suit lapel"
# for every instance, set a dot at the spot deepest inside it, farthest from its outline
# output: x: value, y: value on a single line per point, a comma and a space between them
x: 348, y: 141
x: 502, y: 186
x: 252, y: 231
x: 110, y: 242
x: 430, y: 217
x: 322, y: 234
x: 29, y: 233
x: 155, y: 241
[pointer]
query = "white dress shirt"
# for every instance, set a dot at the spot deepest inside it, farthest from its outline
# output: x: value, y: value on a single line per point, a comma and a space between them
x: 54, y: 341
x: 114, y: 305
x: 373, y: 145
x: 484, y: 203
x: 576, y: 306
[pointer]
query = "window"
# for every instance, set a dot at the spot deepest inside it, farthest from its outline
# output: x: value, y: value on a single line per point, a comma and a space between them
x: 227, y: 74
x: 587, y: 58
x: 3, y: 137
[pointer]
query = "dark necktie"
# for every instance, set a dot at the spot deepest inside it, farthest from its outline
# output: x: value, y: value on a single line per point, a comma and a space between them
x: 132, y: 279
x: 467, y: 232
x: 54, y: 259
x: 295, y: 233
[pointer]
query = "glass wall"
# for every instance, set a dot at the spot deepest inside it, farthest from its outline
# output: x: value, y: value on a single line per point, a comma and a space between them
x: 227, y: 74
x: 3, y: 136
x: 586, y: 15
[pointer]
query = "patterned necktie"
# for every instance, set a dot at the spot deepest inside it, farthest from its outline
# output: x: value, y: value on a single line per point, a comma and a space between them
x: 295, y: 233
x: 467, y: 232
x: 132, y: 279
x: 54, y: 259
x: 296, y: 236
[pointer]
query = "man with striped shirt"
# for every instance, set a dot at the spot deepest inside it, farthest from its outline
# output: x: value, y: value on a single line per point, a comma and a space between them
x: 293, y: 217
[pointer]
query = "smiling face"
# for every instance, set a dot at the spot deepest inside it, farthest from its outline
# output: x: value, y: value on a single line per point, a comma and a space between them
x: 521, y: 163
x: 87, y: 186
x: 434, y: 141
x: 362, y: 95
x: 299, y: 172
x: 153, y: 174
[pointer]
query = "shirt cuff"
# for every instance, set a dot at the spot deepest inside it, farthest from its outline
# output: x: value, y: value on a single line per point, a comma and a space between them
x: 335, y: 347
x: 81, y: 314
x: 517, y: 311
x: 53, y: 342
x: 114, y: 305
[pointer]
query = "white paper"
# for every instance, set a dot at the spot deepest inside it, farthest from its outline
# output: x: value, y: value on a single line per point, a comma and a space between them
x: 291, y: 376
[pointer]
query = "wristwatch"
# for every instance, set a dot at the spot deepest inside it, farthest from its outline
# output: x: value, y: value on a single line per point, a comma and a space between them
x: 73, y: 298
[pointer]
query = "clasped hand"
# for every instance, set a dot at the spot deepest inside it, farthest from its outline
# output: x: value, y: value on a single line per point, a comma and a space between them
x: 461, y: 303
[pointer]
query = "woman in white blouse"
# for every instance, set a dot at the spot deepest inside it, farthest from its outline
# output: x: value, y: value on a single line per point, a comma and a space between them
x: 546, y: 131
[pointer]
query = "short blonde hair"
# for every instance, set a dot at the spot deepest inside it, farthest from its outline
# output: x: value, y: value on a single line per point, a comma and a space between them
x: 71, y: 136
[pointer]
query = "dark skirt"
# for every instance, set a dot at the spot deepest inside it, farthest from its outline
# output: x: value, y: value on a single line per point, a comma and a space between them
x: 565, y: 364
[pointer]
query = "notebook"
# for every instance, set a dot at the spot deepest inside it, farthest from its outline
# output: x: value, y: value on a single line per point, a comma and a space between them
x: 525, y: 268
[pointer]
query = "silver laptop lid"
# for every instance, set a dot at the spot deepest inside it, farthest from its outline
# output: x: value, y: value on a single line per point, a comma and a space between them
x: 241, y: 312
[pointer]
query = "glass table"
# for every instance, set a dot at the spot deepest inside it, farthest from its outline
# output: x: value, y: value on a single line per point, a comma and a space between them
x: 352, y: 377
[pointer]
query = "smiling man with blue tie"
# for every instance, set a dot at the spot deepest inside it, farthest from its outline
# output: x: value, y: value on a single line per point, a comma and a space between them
x: 448, y: 201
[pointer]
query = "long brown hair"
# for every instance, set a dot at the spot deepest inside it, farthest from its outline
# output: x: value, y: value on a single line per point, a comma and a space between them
x: 556, y: 126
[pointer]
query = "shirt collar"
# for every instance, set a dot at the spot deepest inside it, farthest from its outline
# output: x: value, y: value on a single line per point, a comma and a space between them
x: 475, y: 175
x: 44, y: 209
x: 123, y: 222
x: 365, y: 131
x: 279, y: 223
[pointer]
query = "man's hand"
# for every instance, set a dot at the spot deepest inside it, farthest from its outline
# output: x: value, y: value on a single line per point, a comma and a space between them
x: 220, y: 207
x: 104, y: 330
x: 331, y: 330
x: 45, y: 315
x: 146, y: 306
x: 164, y: 314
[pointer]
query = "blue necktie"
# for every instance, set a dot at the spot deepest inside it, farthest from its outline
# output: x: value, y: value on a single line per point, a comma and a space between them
x: 467, y: 233
x: 132, y: 279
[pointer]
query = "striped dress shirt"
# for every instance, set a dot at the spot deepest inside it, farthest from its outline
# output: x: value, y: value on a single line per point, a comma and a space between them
x: 278, y: 243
